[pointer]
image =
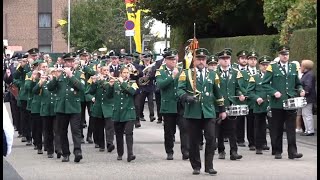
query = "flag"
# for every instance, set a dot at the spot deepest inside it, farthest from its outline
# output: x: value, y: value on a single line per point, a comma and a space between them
x: 61, y: 23
x: 134, y: 14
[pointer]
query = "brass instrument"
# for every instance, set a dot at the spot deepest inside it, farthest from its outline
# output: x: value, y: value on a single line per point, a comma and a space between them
x: 132, y: 69
x: 142, y: 81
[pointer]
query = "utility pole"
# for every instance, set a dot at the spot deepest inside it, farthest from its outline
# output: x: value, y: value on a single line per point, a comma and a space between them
x: 69, y: 22
x: 165, y: 36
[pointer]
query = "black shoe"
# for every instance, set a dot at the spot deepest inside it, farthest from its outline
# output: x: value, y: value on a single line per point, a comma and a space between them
x: 131, y: 158
x: 82, y: 141
x: 142, y: 119
x: 222, y: 155
x: 96, y: 146
x: 119, y: 158
x: 235, y: 156
x: 252, y: 148
x: 59, y: 155
x: 295, y: 155
x: 241, y: 144
x: 50, y: 155
x: 29, y: 143
x: 225, y: 140
x: 196, y: 172
x: 77, y: 157
x: 89, y: 140
x: 211, y: 171
x: 169, y: 156
x: 152, y: 118
x: 185, y: 156
x: 110, y: 148
x: 23, y: 139
x: 307, y: 134
x: 40, y: 151
x: 137, y: 125
x: 101, y: 149
x: 44, y: 149
x: 265, y: 147
x: 277, y: 156
x: 65, y: 159
x: 159, y: 121
x: 200, y: 147
x: 259, y: 151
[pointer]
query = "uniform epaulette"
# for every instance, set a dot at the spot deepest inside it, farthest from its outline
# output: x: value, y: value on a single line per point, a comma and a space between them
x: 239, y: 74
x: 269, y: 68
x: 252, y: 79
x: 134, y: 86
x: 182, y: 76
x: 90, y: 80
x: 82, y: 76
x: 217, y: 79
x: 158, y: 72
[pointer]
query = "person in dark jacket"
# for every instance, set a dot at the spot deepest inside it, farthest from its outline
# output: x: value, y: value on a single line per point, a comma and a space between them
x: 308, y: 82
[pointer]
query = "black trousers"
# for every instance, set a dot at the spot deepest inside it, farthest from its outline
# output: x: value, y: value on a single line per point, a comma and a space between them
x: 170, y: 123
x: 278, y: 119
x: 122, y: 128
x: 85, y: 105
x: 101, y: 137
x: 15, y: 113
x: 158, y: 103
x: 227, y: 128
x: 37, y: 129
x: 57, y: 137
x: 48, y: 122
x: 149, y: 96
x: 250, y: 128
x: 195, y: 127
x: 63, y: 123
x: 260, y: 129
x: 25, y: 119
x: 137, y: 106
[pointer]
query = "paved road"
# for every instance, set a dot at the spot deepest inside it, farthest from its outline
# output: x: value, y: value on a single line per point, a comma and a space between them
x: 151, y: 163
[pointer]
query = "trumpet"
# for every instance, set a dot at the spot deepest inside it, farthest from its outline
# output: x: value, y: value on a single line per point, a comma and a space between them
x: 132, y: 69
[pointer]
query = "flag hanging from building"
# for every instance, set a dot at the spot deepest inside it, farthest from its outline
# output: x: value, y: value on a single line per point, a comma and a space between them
x: 61, y: 23
x: 134, y: 14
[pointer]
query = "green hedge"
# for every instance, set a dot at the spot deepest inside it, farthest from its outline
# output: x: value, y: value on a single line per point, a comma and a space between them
x: 303, y: 44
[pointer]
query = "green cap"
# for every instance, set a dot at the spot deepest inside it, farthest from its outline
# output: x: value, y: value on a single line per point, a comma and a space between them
x: 171, y: 53
x: 224, y: 53
x: 202, y: 52
x: 284, y: 49
x: 228, y: 49
x: 37, y: 62
x: 242, y: 53
x: 265, y: 59
x: 69, y: 56
x: 33, y: 51
x: 213, y: 60
x: 253, y: 54
x: 83, y: 51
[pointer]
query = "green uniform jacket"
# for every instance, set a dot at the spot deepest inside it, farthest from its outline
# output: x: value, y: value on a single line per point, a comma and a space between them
x: 287, y: 84
x: 255, y: 91
x: 168, y: 89
x: 68, y: 92
x: 103, y: 105
x: 88, y: 70
x: 28, y: 85
x: 230, y: 87
x: 35, y: 104
x: 19, y: 80
x: 48, y: 99
x: 124, y: 109
x: 205, y: 92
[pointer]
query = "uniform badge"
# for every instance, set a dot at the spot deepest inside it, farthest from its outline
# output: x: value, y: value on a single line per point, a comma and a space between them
x: 207, y: 93
x: 71, y: 89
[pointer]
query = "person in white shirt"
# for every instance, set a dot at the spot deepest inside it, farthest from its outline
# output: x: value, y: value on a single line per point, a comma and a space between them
x: 8, y: 132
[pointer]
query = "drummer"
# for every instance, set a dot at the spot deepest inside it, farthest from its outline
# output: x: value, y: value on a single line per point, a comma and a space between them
x: 229, y: 85
x: 259, y: 97
x: 281, y: 82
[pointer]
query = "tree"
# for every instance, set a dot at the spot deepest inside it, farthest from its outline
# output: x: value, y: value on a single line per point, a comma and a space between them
x: 99, y: 23
x: 289, y: 15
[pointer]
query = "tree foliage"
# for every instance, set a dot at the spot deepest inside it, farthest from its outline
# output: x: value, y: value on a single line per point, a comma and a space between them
x: 99, y: 23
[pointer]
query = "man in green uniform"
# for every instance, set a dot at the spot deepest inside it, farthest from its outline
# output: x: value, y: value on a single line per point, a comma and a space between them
x: 68, y: 106
x: 281, y: 82
x: 167, y: 80
x: 259, y: 96
x: 197, y: 87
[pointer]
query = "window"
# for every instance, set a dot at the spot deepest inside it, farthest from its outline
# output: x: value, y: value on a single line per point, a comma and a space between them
x: 45, y: 20
x: 45, y: 48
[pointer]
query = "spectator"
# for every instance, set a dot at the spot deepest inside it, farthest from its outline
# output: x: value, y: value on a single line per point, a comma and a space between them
x: 8, y: 132
x: 299, y: 111
x: 308, y: 82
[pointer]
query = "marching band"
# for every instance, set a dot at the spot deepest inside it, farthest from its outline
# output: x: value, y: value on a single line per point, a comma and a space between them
x: 209, y: 97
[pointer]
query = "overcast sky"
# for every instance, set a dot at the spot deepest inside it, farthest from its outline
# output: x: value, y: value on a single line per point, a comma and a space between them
x: 159, y: 27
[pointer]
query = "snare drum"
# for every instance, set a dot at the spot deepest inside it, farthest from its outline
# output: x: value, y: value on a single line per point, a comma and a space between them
x: 237, y: 110
x: 294, y: 103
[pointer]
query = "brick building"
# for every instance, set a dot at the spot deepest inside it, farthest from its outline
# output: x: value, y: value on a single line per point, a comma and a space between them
x: 31, y: 23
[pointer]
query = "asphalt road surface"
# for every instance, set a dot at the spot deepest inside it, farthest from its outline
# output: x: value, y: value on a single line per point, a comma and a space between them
x: 151, y: 163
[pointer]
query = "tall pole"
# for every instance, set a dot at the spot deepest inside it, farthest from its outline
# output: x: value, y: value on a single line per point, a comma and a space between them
x: 69, y: 7
x: 165, y: 36
x: 130, y: 45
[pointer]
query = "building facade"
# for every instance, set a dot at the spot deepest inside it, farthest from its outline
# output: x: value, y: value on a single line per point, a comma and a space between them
x: 32, y: 23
